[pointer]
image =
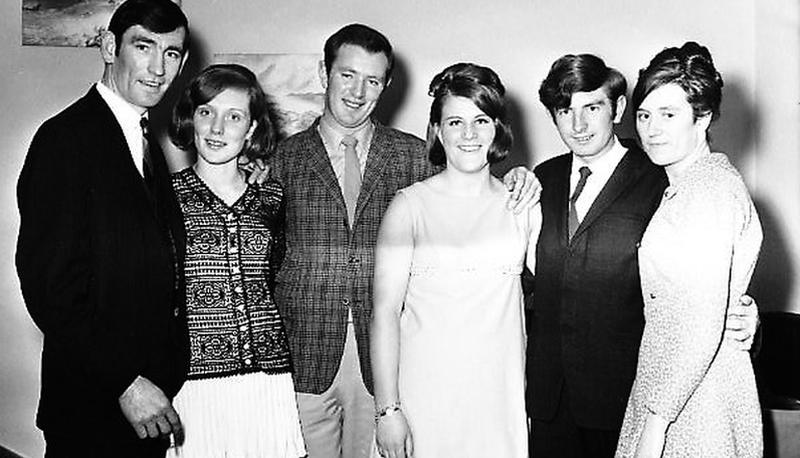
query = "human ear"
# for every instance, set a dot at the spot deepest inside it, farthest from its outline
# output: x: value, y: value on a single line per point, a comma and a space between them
x: 704, y: 121
x: 323, y: 74
x: 250, y: 131
x: 622, y: 103
x: 108, y: 47
x: 183, y: 61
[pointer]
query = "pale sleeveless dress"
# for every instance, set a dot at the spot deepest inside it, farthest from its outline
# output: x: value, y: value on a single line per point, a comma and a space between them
x: 461, y: 368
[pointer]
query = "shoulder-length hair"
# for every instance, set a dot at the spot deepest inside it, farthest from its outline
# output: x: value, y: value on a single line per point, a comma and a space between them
x: 207, y: 85
x: 482, y: 86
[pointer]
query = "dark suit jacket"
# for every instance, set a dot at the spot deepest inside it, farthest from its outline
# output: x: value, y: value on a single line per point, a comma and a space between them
x: 587, y: 315
x: 328, y: 266
x: 97, y: 257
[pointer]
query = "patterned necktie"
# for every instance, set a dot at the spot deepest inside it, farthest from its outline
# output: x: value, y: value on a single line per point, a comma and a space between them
x: 147, y: 160
x: 573, y: 212
x: 352, y: 176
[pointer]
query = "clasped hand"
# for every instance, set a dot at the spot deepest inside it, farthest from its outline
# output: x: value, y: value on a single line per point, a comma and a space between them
x: 149, y: 410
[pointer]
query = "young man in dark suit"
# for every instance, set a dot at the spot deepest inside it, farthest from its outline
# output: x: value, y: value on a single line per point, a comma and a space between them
x: 338, y: 177
x: 100, y: 248
x: 586, y: 321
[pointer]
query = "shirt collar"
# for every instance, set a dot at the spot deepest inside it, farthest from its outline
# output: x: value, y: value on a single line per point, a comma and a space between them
x: 605, y: 164
x: 333, y: 134
x: 125, y: 113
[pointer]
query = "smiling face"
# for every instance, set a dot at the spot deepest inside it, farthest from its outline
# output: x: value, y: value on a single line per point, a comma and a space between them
x: 353, y: 85
x: 221, y: 127
x: 587, y: 125
x: 141, y: 67
x: 667, y: 128
x: 466, y: 133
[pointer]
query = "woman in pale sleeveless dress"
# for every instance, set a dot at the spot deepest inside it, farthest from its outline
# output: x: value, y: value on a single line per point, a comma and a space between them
x: 447, y: 332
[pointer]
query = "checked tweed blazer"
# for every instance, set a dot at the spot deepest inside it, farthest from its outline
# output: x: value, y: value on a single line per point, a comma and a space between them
x: 328, y: 266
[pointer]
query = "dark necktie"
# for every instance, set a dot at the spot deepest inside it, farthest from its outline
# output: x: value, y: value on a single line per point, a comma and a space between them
x: 352, y: 176
x: 573, y: 213
x: 147, y: 160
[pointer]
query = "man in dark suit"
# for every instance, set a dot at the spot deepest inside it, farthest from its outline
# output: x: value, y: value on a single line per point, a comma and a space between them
x: 587, y: 319
x: 100, y: 247
x: 338, y: 177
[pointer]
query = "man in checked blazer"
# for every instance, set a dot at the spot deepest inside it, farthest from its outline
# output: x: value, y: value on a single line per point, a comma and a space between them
x: 586, y: 319
x: 99, y: 251
x: 324, y: 286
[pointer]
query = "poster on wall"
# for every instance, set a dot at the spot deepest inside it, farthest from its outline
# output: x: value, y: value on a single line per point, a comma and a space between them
x: 292, y: 83
x: 78, y: 23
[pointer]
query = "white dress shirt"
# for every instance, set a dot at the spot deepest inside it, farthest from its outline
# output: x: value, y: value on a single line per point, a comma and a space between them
x: 128, y: 118
x: 602, y: 168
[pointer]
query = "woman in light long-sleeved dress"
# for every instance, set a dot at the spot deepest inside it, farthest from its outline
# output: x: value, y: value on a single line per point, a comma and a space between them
x: 694, y: 394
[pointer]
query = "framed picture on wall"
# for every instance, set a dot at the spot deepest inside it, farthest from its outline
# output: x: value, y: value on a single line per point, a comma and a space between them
x: 78, y: 23
x: 292, y: 83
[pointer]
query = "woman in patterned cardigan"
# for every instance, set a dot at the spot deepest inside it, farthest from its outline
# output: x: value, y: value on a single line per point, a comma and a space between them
x: 239, y: 399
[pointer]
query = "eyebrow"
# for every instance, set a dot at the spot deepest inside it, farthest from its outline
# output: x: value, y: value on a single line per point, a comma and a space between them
x: 139, y: 38
x: 342, y: 68
x: 142, y: 38
x: 600, y: 101
x: 667, y: 108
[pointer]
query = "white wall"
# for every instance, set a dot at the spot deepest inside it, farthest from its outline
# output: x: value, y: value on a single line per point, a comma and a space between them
x: 756, y: 47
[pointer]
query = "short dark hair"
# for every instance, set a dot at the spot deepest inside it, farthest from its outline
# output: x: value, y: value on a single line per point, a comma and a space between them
x: 207, y: 85
x: 484, y: 88
x: 158, y: 16
x: 692, y: 69
x: 580, y: 73
x: 362, y: 36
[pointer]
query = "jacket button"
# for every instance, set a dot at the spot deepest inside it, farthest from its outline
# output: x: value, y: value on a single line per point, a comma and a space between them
x: 176, y: 311
x: 346, y: 302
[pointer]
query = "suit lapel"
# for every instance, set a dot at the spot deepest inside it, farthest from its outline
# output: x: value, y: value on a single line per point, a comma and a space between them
x: 117, y: 155
x: 320, y: 163
x: 628, y: 170
x: 380, y: 151
x: 561, y: 191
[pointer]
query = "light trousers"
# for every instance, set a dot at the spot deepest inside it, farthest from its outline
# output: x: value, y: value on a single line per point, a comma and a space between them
x: 340, y: 423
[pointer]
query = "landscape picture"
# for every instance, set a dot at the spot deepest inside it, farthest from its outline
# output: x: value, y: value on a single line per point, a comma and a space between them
x: 292, y: 83
x: 66, y: 22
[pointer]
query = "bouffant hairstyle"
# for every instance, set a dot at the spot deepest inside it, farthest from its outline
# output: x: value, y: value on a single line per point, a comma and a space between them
x: 692, y: 69
x: 579, y: 73
x: 484, y: 88
x: 362, y: 36
x: 158, y: 16
x: 207, y: 85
